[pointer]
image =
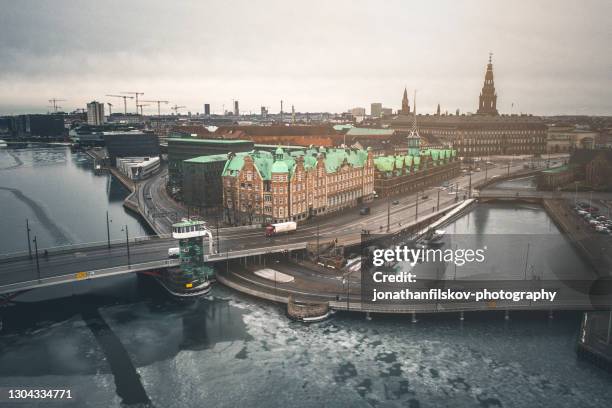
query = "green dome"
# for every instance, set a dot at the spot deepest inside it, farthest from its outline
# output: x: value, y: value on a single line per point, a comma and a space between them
x: 280, y: 167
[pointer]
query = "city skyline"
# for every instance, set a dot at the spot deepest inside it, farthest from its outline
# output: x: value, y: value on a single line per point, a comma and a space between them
x: 316, y: 57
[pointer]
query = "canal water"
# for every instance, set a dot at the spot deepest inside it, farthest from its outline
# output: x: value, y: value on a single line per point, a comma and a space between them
x: 127, y: 343
x: 64, y: 201
x: 524, y: 183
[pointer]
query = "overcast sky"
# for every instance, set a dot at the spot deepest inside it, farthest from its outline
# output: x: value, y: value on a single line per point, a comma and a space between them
x: 550, y: 57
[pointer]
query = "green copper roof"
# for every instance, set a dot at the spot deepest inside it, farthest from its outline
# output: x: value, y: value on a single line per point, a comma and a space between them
x: 384, y: 163
x: 280, y: 167
x: 187, y: 223
x: 343, y: 127
x: 266, y: 163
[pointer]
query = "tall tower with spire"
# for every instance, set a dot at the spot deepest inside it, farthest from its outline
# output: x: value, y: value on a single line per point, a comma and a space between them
x: 405, y: 106
x: 414, y: 138
x: 488, y: 97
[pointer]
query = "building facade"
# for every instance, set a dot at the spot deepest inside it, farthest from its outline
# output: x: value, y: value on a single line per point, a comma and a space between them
x: 402, y: 174
x: 482, y: 135
x: 135, y: 143
x: 376, y: 110
x: 202, y: 186
x: 187, y: 147
x: 264, y: 187
x: 40, y: 126
x: 95, y: 113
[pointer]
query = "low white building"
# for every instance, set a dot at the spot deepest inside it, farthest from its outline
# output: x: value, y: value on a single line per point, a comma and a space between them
x: 138, y: 168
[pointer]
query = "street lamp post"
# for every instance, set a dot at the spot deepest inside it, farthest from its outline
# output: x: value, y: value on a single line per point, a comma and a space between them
x: 29, y: 243
x: 438, y: 203
x: 36, y: 252
x: 388, y: 212
x: 108, y: 230
x: 317, y: 240
x: 416, y: 208
x: 576, y: 193
x: 526, y: 260
x: 470, y: 186
x: 127, y: 244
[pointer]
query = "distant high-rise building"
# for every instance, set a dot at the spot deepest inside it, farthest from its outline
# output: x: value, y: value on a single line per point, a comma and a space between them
x: 264, y: 112
x: 207, y: 109
x: 386, y: 112
x: 236, y: 109
x: 376, y: 110
x: 405, y: 105
x: 488, y: 97
x: 358, y: 111
x: 438, y: 110
x: 95, y: 113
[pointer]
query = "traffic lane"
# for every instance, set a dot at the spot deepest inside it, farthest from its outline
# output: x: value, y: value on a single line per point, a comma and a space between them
x: 61, y: 264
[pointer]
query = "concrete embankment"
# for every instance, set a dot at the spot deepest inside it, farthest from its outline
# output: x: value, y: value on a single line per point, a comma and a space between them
x: 131, y: 201
x: 588, y: 243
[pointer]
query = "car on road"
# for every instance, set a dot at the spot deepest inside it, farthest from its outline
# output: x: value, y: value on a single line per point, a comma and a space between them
x: 424, y: 197
x: 395, y: 202
x: 364, y: 211
x: 173, y: 252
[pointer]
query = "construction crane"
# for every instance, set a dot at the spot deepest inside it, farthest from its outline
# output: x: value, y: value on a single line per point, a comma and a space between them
x: 54, y: 101
x: 125, y: 98
x: 158, y: 105
x: 175, y: 108
x: 110, y: 108
x: 136, y: 96
x: 140, y: 106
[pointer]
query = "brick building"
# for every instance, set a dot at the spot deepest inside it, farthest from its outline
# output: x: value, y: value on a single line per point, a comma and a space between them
x: 410, y: 173
x: 264, y: 187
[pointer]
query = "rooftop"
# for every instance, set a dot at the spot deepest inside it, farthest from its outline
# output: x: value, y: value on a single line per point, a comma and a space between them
x: 369, y: 132
x: 208, y: 159
x: 208, y: 141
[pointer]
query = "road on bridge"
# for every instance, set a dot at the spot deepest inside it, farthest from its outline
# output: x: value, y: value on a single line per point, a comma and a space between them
x: 346, y: 225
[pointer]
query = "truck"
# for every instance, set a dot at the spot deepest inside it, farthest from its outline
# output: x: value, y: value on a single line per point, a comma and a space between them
x: 281, y: 227
x: 173, y: 252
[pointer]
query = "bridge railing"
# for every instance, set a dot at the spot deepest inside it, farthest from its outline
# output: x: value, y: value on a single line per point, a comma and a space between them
x: 84, y: 245
x: 85, y: 275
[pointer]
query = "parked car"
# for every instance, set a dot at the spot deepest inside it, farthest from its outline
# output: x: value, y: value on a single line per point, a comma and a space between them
x: 395, y: 202
x: 364, y: 211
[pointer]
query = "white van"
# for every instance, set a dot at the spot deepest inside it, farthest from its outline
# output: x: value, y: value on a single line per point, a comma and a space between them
x: 173, y: 252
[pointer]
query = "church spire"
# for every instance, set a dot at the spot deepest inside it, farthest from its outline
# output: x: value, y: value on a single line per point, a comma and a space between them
x: 488, y: 97
x: 405, y: 106
x: 414, y: 139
